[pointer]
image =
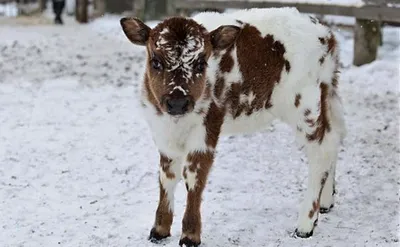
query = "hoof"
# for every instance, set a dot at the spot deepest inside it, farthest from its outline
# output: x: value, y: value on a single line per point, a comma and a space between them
x: 155, y: 237
x: 303, y: 234
x: 188, y: 242
x: 323, y: 210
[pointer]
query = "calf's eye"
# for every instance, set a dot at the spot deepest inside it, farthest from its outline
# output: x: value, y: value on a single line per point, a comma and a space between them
x: 156, y: 64
x: 200, y: 66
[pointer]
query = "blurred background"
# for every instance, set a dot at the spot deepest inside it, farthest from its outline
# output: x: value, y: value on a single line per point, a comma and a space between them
x: 78, y: 166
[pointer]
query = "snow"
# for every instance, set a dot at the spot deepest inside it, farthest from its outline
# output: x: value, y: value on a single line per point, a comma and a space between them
x: 355, y: 3
x: 8, y: 9
x: 78, y: 166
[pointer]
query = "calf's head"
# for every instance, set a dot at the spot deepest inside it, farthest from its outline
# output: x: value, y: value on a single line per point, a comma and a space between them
x: 177, y: 53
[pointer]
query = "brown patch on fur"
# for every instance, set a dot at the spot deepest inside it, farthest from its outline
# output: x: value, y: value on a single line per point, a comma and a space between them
x: 287, y: 66
x: 268, y: 105
x: 316, y: 204
x: 297, y: 100
x: 323, y: 181
x: 184, y: 173
x: 335, y: 80
x: 331, y: 43
x: 150, y: 96
x: 191, y: 223
x: 233, y: 97
x: 213, y: 123
x: 255, y: 54
x: 315, y: 208
x: 322, y: 122
x: 226, y: 63
x: 219, y: 87
x: 165, y: 164
x: 310, y: 122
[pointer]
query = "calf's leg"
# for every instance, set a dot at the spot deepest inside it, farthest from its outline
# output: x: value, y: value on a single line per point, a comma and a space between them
x: 195, y: 174
x: 322, y: 160
x: 327, y: 195
x: 169, y: 176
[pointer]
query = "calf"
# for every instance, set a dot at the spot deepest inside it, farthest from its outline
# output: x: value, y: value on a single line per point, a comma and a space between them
x: 217, y: 74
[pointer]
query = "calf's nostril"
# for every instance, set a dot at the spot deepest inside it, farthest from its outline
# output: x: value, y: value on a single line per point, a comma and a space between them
x: 177, y: 105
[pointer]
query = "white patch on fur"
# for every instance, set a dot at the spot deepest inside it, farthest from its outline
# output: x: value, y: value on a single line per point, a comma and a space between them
x: 180, y: 89
x: 235, y: 75
x: 246, y: 124
x: 191, y: 179
x: 177, y: 136
x: 247, y: 99
x: 168, y: 184
x: 194, y: 46
x: 162, y: 41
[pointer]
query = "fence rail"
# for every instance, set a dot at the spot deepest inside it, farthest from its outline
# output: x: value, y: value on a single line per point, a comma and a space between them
x: 369, y: 15
x: 383, y: 12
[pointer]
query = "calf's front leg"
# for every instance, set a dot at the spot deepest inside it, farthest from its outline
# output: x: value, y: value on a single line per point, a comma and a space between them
x: 169, y: 176
x: 195, y: 173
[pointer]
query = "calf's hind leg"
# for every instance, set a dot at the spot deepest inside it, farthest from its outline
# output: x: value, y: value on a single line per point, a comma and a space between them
x: 322, y: 158
x: 322, y: 147
x: 328, y: 191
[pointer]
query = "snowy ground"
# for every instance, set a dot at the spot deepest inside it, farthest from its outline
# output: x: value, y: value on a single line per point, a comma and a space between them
x: 78, y: 167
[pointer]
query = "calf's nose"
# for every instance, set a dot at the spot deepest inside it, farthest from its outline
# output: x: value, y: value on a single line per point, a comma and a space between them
x: 177, y: 106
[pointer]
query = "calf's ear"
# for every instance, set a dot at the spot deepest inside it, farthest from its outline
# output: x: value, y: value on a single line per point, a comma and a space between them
x: 224, y: 36
x: 135, y: 30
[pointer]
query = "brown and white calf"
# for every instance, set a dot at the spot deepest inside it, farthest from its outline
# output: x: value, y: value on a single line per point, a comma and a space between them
x: 217, y: 74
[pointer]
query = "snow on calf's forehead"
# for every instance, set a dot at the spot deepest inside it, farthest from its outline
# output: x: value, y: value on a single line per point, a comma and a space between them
x: 182, y: 42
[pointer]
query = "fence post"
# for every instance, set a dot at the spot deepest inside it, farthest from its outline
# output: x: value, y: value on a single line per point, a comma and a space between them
x: 99, y: 7
x: 155, y: 9
x: 139, y: 8
x: 367, y: 37
x: 42, y: 5
x: 81, y: 11
x: 171, y: 8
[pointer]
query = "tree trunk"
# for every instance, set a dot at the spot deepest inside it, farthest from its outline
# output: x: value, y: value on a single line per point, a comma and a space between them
x: 81, y: 11
x: 367, y: 38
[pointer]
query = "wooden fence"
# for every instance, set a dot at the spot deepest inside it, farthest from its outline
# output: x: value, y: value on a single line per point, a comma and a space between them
x: 369, y: 14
